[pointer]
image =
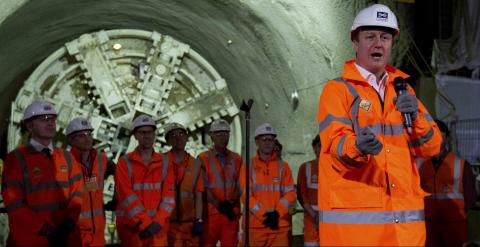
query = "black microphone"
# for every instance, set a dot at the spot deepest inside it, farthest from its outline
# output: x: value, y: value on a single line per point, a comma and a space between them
x: 401, y: 88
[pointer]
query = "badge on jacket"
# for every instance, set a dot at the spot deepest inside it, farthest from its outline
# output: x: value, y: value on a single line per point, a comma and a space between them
x: 365, y: 105
x: 63, y: 168
x: 36, y: 172
x: 91, y: 183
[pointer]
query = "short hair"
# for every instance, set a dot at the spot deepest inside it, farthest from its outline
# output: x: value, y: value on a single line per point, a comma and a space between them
x: 442, y: 126
x: 316, y: 140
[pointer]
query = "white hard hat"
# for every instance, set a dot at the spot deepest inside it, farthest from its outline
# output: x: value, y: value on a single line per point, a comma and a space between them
x: 38, y: 108
x: 78, y: 124
x: 219, y: 125
x: 143, y: 120
x: 265, y: 129
x: 173, y: 126
x: 376, y: 15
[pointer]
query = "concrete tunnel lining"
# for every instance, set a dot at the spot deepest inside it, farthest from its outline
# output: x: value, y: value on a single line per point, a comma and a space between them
x: 272, y: 52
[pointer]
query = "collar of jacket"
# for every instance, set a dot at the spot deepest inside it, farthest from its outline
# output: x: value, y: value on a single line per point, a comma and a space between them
x: 350, y: 73
x: 78, y: 155
x: 137, y: 156
x: 273, y: 157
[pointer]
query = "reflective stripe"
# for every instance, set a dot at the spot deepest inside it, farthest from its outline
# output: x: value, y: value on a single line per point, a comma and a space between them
x: 13, y: 183
x: 76, y: 177
x: 428, y: 117
x: 49, y: 206
x: 308, y: 171
x: 23, y: 166
x: 286, y: 189
x: 196, y: 169
x: 421, y: 140
x: 168, y: 200
x: 186, y: 194
x: 147, y: 186
x: 49, y: 185
x: 127, y: 201
x: 355, y: 104
x: 88, y: 214
x: 387, y: 129
x: 314, y: 207
x: 330, y: 118
x: 285, y: 202
x: 68, y: 158
x: 456, y: 175
x: 14, y: 205
x: 256, y: 208
x: 371, y: 217
x: 135, y: 211
x: 443, y: 196
x: 77, y: 194
x: 100, y: 169
x: 266, y: 187
x: 129, y: 168
x: 419, y: 162
x: 151, y: 212
x: 164, y: 167
x: 311, y: 244
x: 167, y: 207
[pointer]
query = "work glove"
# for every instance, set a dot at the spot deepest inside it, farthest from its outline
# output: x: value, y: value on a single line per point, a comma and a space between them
x: 271, y: 220
x: 226, y: 208
x: 60, y: 236
x: 407, y: 103
x: 367, y: 142
x: 111, y: 205
x: 151, y: 230
x: 197, y: 229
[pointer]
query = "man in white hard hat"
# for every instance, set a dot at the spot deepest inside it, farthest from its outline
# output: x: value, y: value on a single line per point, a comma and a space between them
x: 221, y: 171
x: 272, y: 192
x: 94, y: 168
x: 42, y: 185
x: 186, y: 224
x: 368, y: 182
x: 145, y: 190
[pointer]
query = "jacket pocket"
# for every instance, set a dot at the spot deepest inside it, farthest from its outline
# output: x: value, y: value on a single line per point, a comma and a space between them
x: 356, y: 197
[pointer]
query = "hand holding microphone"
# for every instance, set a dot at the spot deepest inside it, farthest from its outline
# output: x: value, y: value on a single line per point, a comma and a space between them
x: 406, y: 103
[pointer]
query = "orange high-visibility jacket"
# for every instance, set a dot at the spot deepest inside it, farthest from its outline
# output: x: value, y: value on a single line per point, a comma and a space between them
x: 221, y: 183
x: 144, y: 191
x: 307, y: 185
x: 37, y: 190
x: 187, y: 182
x: 92, y: 217
x: 446, y: 202
x: 379, y: 194
x: 271, y: 188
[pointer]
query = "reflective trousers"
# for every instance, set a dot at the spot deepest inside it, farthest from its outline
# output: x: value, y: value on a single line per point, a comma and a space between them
x: 129, y: 238
x: 181, y: 235
x: 267, y: 237
x: 310, y: 231
x: 219, y: 228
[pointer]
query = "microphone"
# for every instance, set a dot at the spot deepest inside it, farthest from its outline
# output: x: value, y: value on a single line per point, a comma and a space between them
x: 401, y: 88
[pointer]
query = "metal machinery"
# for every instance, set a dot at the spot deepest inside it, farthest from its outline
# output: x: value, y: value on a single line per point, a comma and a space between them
x: 112, y: 76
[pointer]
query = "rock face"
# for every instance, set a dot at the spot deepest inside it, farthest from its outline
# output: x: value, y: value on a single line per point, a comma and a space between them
x: 277, y: 52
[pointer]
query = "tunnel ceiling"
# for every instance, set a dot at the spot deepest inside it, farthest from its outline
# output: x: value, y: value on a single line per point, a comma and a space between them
x: 265, y: 50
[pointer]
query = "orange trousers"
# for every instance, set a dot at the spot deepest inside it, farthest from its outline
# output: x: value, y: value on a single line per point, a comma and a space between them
x: 310, y: 231
x: 219, y: 228
x: 89, y: 239
x: 181, y: 235
x: 268, y: 237
x: 129, y: 238
x: 446, y: 234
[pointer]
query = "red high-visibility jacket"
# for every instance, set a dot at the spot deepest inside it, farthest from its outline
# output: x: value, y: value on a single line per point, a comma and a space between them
x: 37, y: 190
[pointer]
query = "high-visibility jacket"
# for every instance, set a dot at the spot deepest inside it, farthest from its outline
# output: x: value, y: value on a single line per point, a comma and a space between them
x: 37, y: 190
x: 379, y: 194
x: 221, y: 183
x: 187, y: 182
x: 91, y: 220
x: 446, y: 201
x: 145, y: 192
x: 307, y: 185
x: 271, y: 188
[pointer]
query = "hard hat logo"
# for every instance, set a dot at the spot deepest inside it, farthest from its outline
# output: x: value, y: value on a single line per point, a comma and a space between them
x: 143, y: 120
x: 78, y: 124
x: 382, y: 16
x: 84, y: 123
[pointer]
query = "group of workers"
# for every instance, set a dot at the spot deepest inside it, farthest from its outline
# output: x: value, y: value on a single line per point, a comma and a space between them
x: 366, y: 186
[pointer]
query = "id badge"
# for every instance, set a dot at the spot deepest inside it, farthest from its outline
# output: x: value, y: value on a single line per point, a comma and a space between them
x: 91, y: 183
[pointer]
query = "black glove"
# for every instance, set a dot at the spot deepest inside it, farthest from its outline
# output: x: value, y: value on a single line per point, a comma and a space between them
x: 197, y: 228
x: 60, y: 236
x: 407, y: 103
x: 151, y: 230
x: 111, y: 205
x: 367, y: 142
x: 226, y: 208
x: 271, y: 220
